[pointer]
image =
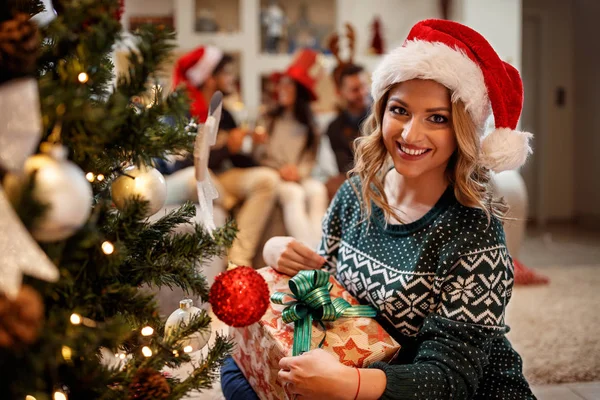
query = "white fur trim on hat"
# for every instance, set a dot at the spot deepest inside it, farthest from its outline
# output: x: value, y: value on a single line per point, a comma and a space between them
x: 436, y: 61
x: 199, y: 72
x: 505, y: 149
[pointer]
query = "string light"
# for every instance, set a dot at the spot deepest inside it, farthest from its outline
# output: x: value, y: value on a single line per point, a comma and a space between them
x: 90, y: 176
x: 67, y: 353
x: 30, y: 397
x: 188, y: 349
x: 100, y: 177
x: 108, y: 247
x: 147, y: 331
x: 122, y: 356
x: 75, y: 319
x: 175, y: 353
x: 146, y: 351
x: 59, y: 395
x: 83, y: 77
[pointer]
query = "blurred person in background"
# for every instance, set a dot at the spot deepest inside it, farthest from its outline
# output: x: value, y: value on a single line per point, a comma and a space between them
x: 352, y: 88
x: 291, y: 149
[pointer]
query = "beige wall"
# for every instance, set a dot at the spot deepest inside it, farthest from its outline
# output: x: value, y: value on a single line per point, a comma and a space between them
x: 587, y: 110
x: 555, y: 140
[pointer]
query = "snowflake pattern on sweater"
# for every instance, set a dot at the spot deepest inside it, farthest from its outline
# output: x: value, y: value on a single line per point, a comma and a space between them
x: 444, y: 278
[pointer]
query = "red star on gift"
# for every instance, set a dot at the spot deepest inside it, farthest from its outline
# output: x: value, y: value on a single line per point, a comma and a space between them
x: 350, y: 354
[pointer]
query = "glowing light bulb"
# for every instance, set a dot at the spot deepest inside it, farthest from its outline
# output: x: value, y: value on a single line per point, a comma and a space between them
x: 75, y: 319
x: 100, y: 177
x: 108, y: 247
x: 122, y: 356
x: 147, y: 331
x: 29, y: 397
x: 67, y: 353
x: 146, y: 351
x: 83, y: 77
x: 175, y: 353
x: 59, y: 396
x: 90, y: 176
x: 188, y: 349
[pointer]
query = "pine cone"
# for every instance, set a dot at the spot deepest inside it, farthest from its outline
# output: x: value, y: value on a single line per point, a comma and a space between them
x: 149, y: 384
x: 19, y: 46
x: 21, y: 318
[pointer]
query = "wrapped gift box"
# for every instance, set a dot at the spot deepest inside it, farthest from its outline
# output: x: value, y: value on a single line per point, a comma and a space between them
x: 357, y: 342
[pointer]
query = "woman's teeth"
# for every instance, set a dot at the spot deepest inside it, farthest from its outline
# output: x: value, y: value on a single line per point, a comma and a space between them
x: 411, y: 151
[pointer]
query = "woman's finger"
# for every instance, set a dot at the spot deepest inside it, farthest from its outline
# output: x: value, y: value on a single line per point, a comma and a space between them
x: 312, y: 259
x: 296, y: 266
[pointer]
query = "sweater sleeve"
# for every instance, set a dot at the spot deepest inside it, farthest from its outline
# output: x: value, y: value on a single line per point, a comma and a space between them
x: 332, y: 229
x: 455, y: 339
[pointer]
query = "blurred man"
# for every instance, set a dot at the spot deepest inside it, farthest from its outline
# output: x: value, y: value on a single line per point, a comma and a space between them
x: 353, y: 92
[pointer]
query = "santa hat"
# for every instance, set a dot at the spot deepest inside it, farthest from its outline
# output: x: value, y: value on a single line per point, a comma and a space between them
x: 462, y: 60
x: 305, y: 69
x: 193, y: 69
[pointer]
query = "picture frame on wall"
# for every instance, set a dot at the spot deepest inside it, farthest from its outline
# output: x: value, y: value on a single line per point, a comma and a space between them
x: 213, y: 16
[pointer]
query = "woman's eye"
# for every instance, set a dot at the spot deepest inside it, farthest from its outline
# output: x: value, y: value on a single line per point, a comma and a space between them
x: 398, y: 110
x: 438, y: 119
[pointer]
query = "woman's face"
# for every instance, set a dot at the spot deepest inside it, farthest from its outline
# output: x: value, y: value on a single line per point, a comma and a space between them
x: 286, y: 92
x: 417, y: 127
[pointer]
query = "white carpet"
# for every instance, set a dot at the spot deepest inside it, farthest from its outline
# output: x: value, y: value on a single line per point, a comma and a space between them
x: 556, y: 327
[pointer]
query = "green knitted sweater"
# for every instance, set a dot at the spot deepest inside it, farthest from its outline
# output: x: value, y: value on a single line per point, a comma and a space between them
x: 441, y: 285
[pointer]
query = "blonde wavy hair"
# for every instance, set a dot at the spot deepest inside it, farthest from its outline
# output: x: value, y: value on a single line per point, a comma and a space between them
x: 471, y: 181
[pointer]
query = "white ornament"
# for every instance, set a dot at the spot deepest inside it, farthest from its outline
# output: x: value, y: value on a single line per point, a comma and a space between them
x: 182, y: 316
x: 205, y: 138
x: 20, y: 253
x: 20, y: 122
x: 145, y: 182
x: 61, y: 185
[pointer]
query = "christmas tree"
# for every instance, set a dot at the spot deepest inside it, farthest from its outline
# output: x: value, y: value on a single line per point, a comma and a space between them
x: 53, y: 334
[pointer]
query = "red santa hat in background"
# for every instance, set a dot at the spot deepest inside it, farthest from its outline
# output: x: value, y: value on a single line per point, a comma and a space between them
x: 462, y: 60
x: 305, y: 68
x: 193, y: 69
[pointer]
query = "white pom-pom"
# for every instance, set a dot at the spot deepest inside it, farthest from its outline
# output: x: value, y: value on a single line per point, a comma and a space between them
x: 505, y: 149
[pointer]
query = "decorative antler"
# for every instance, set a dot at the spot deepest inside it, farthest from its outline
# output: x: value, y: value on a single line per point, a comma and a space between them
x: 351, y: 35
x: 334, y: 46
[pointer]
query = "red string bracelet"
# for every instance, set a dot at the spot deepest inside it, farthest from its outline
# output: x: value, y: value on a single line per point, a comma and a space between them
x: 358, y: 388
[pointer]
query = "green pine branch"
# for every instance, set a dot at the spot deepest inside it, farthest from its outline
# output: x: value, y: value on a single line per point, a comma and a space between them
x: 103, y: 126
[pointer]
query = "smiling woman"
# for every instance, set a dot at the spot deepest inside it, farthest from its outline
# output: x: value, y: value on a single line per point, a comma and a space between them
x: 416, y: 233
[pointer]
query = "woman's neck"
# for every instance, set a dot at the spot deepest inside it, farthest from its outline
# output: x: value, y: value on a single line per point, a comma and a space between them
x: 414, y: 197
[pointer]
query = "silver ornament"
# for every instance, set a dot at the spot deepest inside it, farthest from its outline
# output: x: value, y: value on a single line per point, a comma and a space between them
x: 20, y: 122
x: 61, y: 185
x: 182, y: 316
x: 19, y: 253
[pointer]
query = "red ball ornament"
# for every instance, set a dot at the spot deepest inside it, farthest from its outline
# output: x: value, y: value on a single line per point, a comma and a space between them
x: 239, y: 297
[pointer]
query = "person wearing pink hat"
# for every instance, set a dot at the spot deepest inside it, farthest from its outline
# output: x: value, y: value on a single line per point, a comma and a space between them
x: 416, y: 233
x: 239, y: 179
x: 292, y: 149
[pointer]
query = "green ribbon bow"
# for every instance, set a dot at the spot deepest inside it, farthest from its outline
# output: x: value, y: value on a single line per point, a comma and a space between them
x: 310, y: 289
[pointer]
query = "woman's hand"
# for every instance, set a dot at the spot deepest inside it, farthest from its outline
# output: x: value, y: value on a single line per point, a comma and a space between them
x: 317, y: 374
x: 288, y: 256
x: 289, y: 173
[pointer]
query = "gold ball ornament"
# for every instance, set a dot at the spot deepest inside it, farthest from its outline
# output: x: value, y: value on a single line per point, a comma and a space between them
x: 145, y: 182
x: 182, y: 316
x: 61, y: 185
